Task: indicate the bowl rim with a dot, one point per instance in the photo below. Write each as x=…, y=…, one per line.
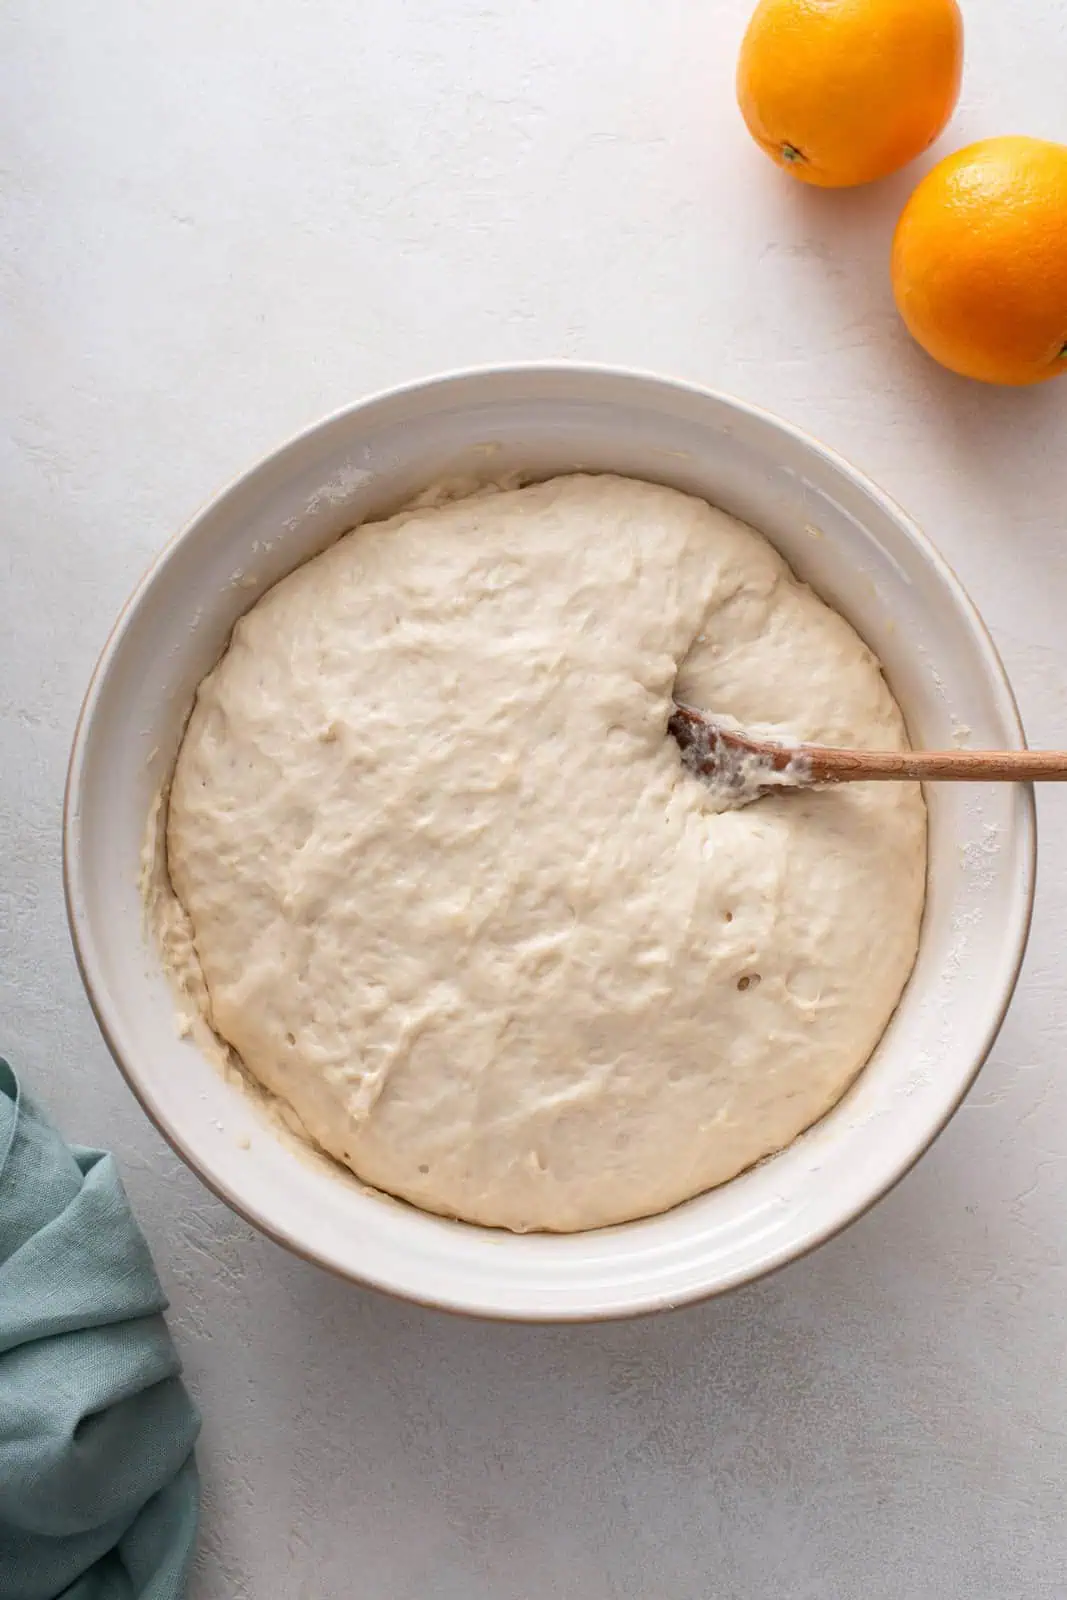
x=81, y=934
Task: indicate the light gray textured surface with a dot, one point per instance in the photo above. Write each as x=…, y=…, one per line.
x=224, y=220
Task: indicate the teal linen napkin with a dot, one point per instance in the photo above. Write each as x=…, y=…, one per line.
x=98, y=1485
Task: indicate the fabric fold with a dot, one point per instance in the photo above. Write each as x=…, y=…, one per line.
x=98, y=1483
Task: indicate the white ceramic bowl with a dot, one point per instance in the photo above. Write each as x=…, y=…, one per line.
x=841, y=534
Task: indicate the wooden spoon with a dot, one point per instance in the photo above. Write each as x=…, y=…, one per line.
x=746, y=767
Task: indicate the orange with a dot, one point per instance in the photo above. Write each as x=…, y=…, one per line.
x=842, y=91
x=980, y=261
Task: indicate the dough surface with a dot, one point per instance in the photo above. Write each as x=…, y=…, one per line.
x=457, y=902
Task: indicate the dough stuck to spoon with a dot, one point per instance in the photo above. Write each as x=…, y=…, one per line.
x=732, y=763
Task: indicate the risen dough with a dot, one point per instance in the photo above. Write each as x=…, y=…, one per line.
x=455, y=899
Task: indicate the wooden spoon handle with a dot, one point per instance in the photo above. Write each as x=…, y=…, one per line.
x=973, y=766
